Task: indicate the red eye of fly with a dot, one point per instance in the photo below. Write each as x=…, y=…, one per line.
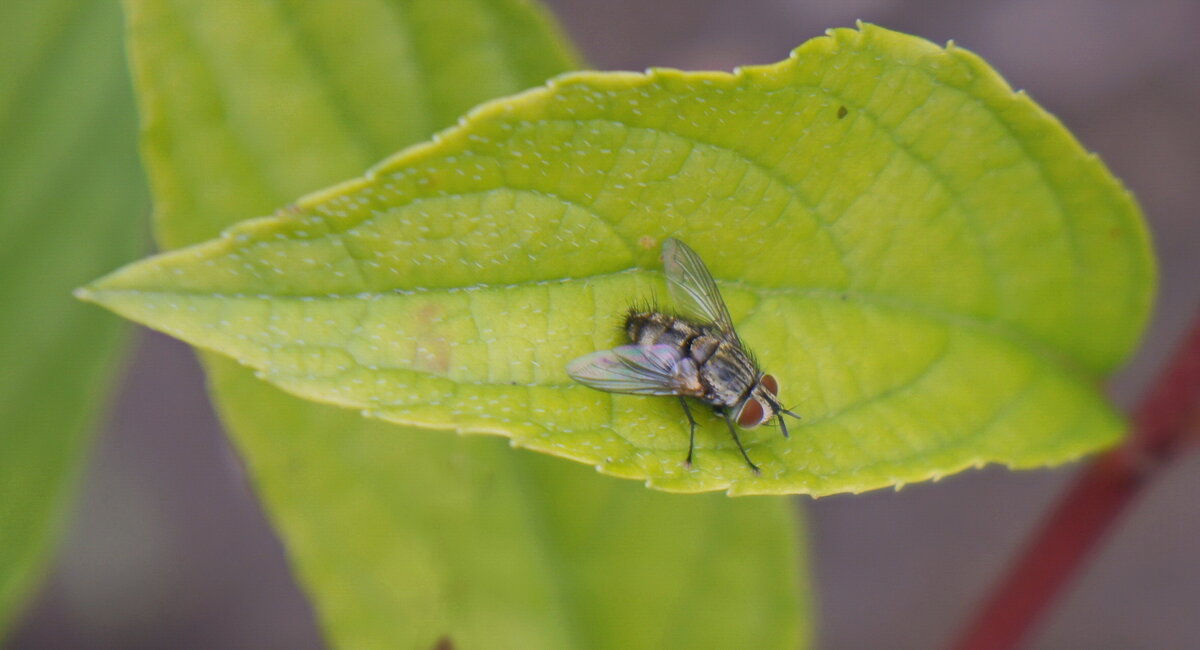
x=768, y=382
x=751, y=414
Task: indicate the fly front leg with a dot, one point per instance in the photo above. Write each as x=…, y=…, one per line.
x=691, y=436
x=733, y=432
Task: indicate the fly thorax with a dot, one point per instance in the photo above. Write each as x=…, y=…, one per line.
x=727, y=376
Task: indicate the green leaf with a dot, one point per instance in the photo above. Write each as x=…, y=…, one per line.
x=71, y=205
x=404, y=537
x=407, y=537
x=936, y=271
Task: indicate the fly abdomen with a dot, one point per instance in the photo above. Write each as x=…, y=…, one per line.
x=701, y=348
x=654, y=328
x=643, y=325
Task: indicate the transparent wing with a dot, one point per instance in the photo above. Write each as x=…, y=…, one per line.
x=692, y=287
x=654, y=370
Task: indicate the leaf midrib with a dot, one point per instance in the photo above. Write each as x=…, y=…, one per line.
x=1007, y=332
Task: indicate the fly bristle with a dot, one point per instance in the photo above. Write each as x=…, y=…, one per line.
x=634, y=311
x=627, y=321
x=644, y=306
x=753, y=359
x=637, y=311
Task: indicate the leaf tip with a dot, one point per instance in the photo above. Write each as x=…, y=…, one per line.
x=85, y=294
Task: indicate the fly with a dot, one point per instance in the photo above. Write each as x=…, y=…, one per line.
x=694, y=354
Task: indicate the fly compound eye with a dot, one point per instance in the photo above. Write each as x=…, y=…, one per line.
x=751, y=414
x=768, y=382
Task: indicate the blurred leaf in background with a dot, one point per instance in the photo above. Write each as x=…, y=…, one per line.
x=72, y=202
x=405, y=537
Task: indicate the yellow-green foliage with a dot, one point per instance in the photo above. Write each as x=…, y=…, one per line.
x=404, y=537
x=936, y=271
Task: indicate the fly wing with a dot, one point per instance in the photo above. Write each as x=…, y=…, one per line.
x=633, y=369
x=692, y=287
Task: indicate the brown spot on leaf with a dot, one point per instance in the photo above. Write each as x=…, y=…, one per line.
x=647, y=242
x=842, y=112
x=444, y=643
x=432, y=350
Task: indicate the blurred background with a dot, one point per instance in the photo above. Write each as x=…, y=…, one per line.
x=168, y=548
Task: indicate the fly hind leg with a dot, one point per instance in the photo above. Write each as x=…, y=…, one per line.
x=692, y=435
x=733, y=432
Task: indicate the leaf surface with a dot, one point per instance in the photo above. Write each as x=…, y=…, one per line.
x=71, y=204
x=937, y=273
x=404, y=537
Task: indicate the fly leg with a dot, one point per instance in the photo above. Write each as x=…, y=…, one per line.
x=691, y=436
x=733, y=432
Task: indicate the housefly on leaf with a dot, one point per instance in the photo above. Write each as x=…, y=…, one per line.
x=693, y=354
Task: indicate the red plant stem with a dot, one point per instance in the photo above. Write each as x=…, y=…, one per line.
x=1167, y=418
